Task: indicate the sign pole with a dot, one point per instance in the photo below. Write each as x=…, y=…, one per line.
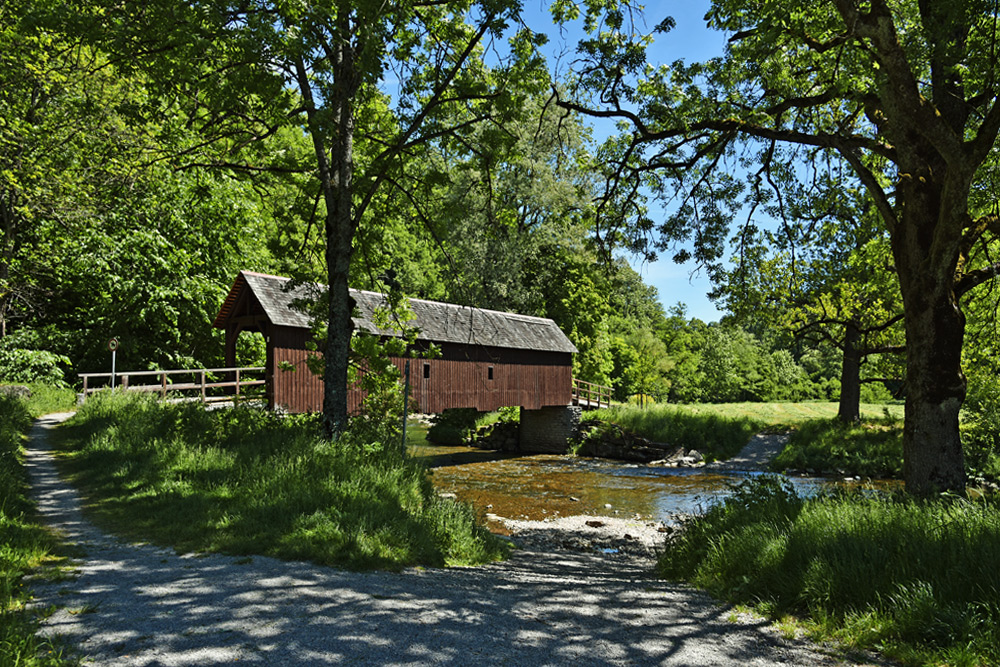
x=113, y=346
x=406, y=400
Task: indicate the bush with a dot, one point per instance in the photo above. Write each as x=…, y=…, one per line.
x=18, y=365
x=453, y=427
x=981, y=431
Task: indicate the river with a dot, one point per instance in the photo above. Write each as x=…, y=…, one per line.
x=540, y=486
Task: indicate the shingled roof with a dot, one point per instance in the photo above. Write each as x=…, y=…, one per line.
x=437, y=322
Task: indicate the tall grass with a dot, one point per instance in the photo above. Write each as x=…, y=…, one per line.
x=871, y=449
x=245, y=481
x=46, y=399
x=714, y=435
x=916, y=579
x=24, y=544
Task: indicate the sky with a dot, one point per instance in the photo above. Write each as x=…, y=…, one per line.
x=691, y=41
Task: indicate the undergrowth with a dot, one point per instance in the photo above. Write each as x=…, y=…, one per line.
x=24, y=545
x=246, y=481
x=914, y=579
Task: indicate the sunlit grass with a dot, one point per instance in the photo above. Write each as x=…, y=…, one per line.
x=873, y=448
x=720, y=430
x=915, y=579
x=24, y=545
x=245, y=481
x=46, y=399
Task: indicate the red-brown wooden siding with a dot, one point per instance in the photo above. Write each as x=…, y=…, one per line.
x=458, y=379
x=299, y=390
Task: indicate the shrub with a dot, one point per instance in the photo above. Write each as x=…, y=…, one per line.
x=452, y=427
x=18, y=365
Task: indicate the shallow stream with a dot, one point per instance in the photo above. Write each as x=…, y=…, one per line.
x=539, y=486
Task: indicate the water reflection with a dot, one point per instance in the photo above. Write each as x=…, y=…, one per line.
x=544, y=485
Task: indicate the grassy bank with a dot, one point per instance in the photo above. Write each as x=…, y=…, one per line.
x=713, y=434
x=24, y=544
x=873, y=448
x=244, y=481
x=46, y=399
x=719, y=431
x=915, y=580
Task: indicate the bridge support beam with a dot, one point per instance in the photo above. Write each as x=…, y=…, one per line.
x=548, y=430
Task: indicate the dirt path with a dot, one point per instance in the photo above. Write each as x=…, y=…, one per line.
x=132, y=605
x=756, y=456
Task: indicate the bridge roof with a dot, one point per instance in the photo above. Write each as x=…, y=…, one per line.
x=437, y=322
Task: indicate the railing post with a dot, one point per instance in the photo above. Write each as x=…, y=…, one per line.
x=163, y=386
x=203, y=385
x=124, y=381
x=85, y=378
x=236, y=398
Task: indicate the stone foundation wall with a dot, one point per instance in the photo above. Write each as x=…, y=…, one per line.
x=548, y=430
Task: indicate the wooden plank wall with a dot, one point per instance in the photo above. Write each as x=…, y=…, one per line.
x=460, y=378
x=299, y=390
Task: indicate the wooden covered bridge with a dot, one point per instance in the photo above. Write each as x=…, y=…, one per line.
x=488, y=359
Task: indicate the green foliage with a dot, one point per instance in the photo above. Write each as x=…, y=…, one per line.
x=915, y=579
x=24, y=545
x=453, y=427
x=870, y=449
x=46, y=399
x=244, y=481
x=981, y=426
x=19, y=366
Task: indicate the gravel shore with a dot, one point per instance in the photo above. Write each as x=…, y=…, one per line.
x=571, y=594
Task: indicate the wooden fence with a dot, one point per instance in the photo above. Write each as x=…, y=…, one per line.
x=591, y=396
x=203, y=380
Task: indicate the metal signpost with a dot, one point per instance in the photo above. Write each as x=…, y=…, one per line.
x=113, y=347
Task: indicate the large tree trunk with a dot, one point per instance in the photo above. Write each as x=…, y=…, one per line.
x=850, y=376
x=935, y=327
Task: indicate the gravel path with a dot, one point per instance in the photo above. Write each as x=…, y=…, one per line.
x=133, y=604
x=756, y=456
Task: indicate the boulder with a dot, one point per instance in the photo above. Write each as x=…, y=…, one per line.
x=15, y=390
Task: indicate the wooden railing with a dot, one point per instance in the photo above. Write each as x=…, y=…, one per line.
x=590, y=395
x=200, y=379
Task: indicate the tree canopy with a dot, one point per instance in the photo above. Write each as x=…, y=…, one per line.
x=907, y=93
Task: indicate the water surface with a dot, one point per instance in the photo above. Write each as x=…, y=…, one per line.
x=546, y=485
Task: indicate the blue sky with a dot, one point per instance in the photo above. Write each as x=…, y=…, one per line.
x=691, y=41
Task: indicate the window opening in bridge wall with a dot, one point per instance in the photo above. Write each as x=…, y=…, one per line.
x=427, y=370
x=489, y=373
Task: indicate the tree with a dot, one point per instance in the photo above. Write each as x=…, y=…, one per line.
x=906, y=92
x=242, y=71
x=821, y=273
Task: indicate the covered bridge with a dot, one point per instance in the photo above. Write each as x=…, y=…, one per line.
x=488, y=359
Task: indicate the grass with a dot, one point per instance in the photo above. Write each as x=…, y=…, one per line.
x=24, y=545
x=916, y=580
x=713, y=434
x=873, y=448
x=720, y=430
x=245, y=481
x=46, y=399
